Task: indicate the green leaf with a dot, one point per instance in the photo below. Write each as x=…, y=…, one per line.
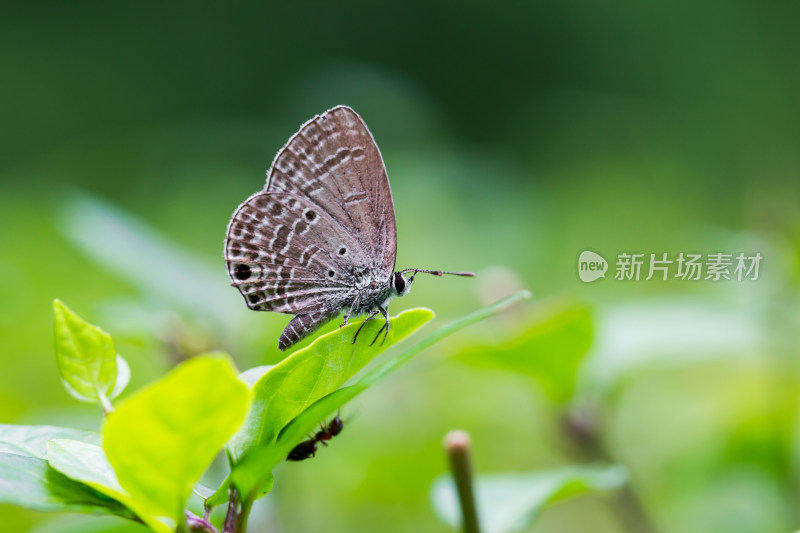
x=219, y=496
x=30, y=482
x=252, y=375
x=31, y=441
x=551, y=350
x=123, y=377
x=27, y=480
x=162, y=439
x=86, y=358
x=290, y=387
x=88, y=464
x=511, y=502
x=258, y=465
x=202, y=491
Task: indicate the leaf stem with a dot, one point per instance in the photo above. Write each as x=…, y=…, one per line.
x=457, y=445
x=238, y=512
x=105, y=404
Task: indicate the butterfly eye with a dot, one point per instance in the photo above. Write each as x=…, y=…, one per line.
x=399, y=283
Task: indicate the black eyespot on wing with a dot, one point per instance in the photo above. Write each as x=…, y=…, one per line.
x=310, y=215
x=342, y=251
x=242, y=272
x=331, y=273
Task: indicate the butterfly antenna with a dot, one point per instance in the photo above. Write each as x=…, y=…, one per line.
x=437, y=272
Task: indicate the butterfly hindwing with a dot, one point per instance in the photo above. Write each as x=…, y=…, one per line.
x=281, y=260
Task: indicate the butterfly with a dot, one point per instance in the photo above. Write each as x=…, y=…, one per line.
x=321, y=237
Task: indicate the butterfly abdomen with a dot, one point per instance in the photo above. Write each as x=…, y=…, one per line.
x=302, y=326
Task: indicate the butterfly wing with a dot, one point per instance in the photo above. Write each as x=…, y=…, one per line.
x=334, y=162
x=324, y=221
x=279, y=252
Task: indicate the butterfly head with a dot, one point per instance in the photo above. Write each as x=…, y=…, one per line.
x=400, y=284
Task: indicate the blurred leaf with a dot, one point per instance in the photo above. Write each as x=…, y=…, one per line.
x=551, y=350
x=86, y=358
x=159, y=267
x=162, y=439
x=87, y=524
x=32, y=440
x=251, y=375
x=288, y=388
x=30, y=482
x=202, y=491
x=511, y=502
x=256, y=468
x=669, y=333
x=219, y=496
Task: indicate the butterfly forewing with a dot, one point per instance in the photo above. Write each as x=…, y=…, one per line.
x=324, y=220
x=334, y=162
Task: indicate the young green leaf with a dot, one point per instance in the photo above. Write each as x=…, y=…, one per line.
x=32, y=440
x=161, y=439
x=288, y=388
x=30, y=482
x=551, y=350
x=256, y=468
x=123, y=377
x=86, y=358
x=511, y=502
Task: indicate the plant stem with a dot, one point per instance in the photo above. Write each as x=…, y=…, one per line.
x=457, y=446
x=238, y=511
x=197, y=524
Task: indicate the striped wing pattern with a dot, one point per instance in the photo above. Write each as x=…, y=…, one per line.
x=324, y=220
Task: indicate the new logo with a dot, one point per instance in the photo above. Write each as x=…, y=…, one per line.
x=591, y=266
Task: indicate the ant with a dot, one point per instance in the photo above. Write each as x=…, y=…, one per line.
x=308, y=448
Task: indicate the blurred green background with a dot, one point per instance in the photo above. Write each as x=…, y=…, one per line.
x=515, y=136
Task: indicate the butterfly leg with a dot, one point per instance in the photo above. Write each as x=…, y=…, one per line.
x=350, y=312
x=370, y=317
x=385, y=313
